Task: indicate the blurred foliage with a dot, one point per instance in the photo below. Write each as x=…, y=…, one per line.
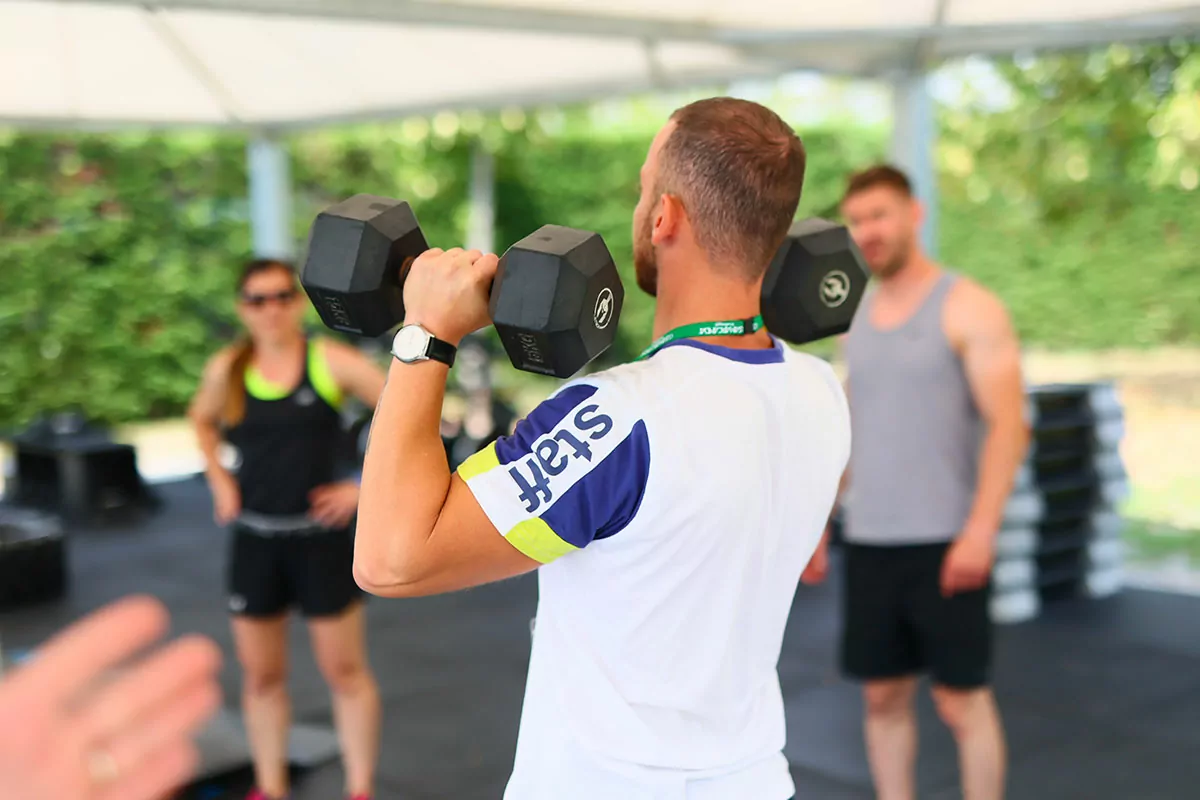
x=116, y=261
x=1076, y=202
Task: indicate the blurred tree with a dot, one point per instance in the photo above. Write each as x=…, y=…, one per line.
x=117, y=266
x=1076, y=201
x=1085, y=126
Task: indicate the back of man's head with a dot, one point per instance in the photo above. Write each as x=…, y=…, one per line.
x=738, y=170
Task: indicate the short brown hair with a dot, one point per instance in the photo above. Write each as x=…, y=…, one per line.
x=243, y=353
x=738, y=169
x=878, y=175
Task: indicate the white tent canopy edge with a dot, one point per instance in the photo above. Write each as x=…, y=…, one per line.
x=266, y=65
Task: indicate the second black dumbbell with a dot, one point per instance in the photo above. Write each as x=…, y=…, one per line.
x=555, y=300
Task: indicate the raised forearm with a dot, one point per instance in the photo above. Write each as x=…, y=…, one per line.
x=405, y=476
x=1003, y=450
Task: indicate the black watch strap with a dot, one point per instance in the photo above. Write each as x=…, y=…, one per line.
x=441, y=350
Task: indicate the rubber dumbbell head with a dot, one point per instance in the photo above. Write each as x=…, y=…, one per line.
x=814, y=284
x=357, y=250
x=556, y=300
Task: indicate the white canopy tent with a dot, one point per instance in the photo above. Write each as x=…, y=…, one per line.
x=272, y=65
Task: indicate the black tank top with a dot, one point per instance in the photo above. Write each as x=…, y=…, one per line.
x=288, y=442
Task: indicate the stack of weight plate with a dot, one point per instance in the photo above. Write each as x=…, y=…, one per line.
x=33, y=557
x=1062, y=527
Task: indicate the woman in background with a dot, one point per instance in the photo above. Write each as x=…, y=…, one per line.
x=275, y=397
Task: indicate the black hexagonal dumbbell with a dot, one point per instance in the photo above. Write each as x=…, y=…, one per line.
x=555, y=299
x=814, y=284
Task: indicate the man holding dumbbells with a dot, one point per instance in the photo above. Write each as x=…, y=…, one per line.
x=670, y=504
x=937, y=401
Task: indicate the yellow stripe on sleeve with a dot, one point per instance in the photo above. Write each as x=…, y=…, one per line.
x=538, y=540
x=483, y=461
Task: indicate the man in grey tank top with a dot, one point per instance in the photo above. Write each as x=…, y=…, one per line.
x=937, y=409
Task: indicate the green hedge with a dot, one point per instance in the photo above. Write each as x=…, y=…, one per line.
x=116, y=258
x=1096, y=280
x=118, y=253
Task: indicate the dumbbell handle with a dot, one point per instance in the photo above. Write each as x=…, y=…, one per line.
x=407, y=266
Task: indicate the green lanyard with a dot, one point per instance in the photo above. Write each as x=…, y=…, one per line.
x=725, y=327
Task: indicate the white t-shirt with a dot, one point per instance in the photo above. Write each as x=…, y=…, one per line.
x=674, y=503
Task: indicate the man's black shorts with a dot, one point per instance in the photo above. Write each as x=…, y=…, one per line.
x=270, y=574
x=897, y=623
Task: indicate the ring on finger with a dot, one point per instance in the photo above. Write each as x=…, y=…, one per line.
x=102, y=767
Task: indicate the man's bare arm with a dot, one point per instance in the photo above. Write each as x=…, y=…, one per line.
x=818, y=564
x=980, y=329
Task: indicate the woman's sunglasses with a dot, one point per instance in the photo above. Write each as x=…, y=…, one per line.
x=260, y=300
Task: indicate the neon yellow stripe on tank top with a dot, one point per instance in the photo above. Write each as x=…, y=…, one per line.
x=318, y=373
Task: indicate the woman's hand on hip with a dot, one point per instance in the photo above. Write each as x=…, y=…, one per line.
x=227, y=497
x=334, y=504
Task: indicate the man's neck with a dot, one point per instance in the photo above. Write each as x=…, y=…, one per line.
x=916, y=273
x=708, y=296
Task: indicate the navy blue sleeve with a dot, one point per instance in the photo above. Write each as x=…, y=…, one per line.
x=572, y=472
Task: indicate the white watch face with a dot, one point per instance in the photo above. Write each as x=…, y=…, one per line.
x=410, y=343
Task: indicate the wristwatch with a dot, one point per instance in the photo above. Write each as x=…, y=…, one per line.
x=413, y=343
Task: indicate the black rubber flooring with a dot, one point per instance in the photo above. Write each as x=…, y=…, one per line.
x=1101, y=699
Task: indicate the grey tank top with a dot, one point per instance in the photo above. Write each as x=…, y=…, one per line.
x=916, y=430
